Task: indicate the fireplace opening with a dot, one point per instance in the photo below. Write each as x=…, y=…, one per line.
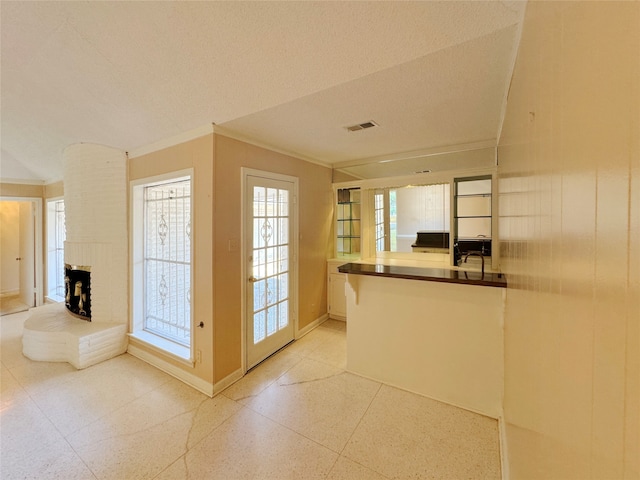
x=77, y=290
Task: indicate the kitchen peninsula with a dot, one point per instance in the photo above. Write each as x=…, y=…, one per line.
x=433, y=331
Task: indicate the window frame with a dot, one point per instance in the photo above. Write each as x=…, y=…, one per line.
x=53, y=248
x=159, y=343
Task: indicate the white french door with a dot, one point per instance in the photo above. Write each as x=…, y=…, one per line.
x=270, y=273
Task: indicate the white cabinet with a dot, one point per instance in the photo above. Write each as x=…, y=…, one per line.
x=337, y=300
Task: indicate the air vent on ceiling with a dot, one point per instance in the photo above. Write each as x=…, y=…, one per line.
x=361, y=126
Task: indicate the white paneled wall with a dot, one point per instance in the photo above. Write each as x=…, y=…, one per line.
x=569, y=182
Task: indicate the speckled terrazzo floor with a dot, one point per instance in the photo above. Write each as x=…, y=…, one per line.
x=12, y=304
x=298, y=415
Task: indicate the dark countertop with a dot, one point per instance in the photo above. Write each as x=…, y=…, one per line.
x=488, y=279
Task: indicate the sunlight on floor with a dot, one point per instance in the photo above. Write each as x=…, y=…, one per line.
x=297, y=415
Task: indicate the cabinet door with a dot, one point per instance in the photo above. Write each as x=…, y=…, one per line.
x=337, y=297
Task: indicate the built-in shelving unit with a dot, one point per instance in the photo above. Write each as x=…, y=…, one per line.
x=472, y=215
x=348, y=222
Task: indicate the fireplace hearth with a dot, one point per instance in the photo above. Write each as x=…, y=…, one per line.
x=91, y=325
x=77, y=286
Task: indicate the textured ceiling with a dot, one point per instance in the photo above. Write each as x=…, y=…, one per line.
x=288, y=74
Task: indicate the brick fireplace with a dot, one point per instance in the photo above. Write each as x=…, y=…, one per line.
x=95, y=195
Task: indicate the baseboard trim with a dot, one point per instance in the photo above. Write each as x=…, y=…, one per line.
x=494, y=416
x=502, y=433
x=227, y=381
x=317, y=322
x=196, y=382
x=233, y=377
x=186, y=377
x=9, y=293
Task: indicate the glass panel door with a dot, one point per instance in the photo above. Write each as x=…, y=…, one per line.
x=268, y=247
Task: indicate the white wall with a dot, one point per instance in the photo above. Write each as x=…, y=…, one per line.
x=441, y=340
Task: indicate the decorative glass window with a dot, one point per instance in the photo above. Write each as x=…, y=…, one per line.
x=162, y=268
x=167, y=260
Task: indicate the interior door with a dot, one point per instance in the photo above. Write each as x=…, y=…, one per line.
x=27, y=254
x=270, y=266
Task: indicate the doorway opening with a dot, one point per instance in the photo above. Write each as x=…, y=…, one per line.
x=21, y=251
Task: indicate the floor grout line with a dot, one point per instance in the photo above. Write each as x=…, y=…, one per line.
x=354, y=427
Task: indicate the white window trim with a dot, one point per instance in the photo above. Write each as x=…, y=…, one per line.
x=246, y=172
x=50, y=251
x=180, y=353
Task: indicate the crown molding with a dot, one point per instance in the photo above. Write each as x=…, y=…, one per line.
x=425, y=152
x=225, y=132
x=23, y=181
x=53, y=180
x=171, y=141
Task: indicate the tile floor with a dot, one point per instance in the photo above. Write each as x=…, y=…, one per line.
x=299, y=415
x=12, y=304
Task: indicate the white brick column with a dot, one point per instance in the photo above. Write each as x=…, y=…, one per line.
x=95, y=199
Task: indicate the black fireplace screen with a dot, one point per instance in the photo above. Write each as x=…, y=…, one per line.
x=77, y=290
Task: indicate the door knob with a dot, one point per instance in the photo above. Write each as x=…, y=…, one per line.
x=252, y=279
